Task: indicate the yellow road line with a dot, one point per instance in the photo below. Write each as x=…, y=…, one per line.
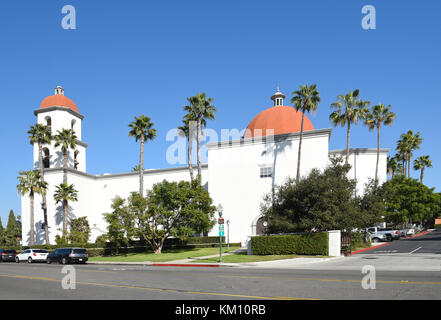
x=153, y=289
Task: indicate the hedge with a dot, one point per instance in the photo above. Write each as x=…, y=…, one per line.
x=302, y=244
x=438, y=226
x=358, y=240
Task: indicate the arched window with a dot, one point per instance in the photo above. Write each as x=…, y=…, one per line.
x=49, y=122
x=76, y=159
x=46, y=158
x=72, y=124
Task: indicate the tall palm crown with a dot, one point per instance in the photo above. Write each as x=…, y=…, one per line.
x=31, y=183
x=407, y=143
x=65, y=193
x=142, y=129
x=65, y=138
x=421, y=163
x=42, y=135
x=349, y=108
x=380, y=115
x=201, y=108
x=306, y=99
x=392, y=166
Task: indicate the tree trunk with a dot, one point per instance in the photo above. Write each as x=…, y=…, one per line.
x=65, y=166
x=347, y=141
x=300, y=150
x=65, y=207
x=422, y=174
x=408, y=166
x=141, y=167
x=190, y=156
x=199, y=148
x=31, y=197
x=378, y=155
x=40, y=160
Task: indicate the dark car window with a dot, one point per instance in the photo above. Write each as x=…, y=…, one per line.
x=80, y=251
x=57, y=251
x=10, y=251
x=40, y=251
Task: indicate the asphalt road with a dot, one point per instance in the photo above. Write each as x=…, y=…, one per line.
x=405, y=269
x=429, y=243
x=41, y=281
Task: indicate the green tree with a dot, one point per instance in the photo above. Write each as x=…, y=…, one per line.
x=421, y=163
x=349, y=108
x=2, y=234
x=177, y=209
x=12, y=230
x=31, y=183
x=200, y=108
x=79, y=230
x=142, y=129
x=65, y=193
x=41, y=135
x=321, y=201
x=306, y=99
x=118, y=223
x=374, y=120
x=392, y=166
x=411, y=201
x=65, y=138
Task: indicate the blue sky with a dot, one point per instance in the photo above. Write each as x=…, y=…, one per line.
x=128, y=58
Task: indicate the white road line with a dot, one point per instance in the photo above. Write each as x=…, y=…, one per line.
x=415, y=250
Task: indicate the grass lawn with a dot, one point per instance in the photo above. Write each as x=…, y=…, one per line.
x=166, y=255
x=243, y=257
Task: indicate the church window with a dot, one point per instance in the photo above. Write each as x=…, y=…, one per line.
x=76, y=159
x=49, y=122
x=46, y=158
x=266, y=172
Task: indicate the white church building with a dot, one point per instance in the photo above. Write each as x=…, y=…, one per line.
x=238, y=173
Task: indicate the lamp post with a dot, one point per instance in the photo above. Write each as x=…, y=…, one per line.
x=221, y=228
x=228, y=234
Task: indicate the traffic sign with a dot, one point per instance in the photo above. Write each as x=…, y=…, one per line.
x=221, y=221
x=221, y=227
x=221, y=233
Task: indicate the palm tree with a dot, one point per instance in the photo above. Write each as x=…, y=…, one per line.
x=65, y=138
x=379, y=115
x=349, y=108
x=202, y=109
x=65, y=193
x=420, y=163
x=392, y=166
x=31, y=183
x=187, y=131
x=41, y=135
x=306, y=100
x=406, y=145
x=142, y=130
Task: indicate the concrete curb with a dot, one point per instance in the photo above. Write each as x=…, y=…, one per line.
x=161, y=264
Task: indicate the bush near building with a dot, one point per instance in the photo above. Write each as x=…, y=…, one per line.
x=300, y=244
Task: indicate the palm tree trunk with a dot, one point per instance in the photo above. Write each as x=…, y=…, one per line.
x=422, y=174
x=199, y=148
x=141, y=167
x=378, y=154
x=40, y=160
x=300, y=149
x=65, y=166
x=31, y=197
x=347, y=141
x=65, y=207
x=408, y=166
x=190, y=156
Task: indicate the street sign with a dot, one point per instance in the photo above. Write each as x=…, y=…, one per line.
x=221, y=233
x=221, y=221
x=221, y=227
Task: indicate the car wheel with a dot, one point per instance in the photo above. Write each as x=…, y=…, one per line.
x=17, y=260
x=48, y=261
x=63, y=261
x=375, y=240
x=29, y=260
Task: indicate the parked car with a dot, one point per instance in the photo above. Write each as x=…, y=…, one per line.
x=410, y=232
x=68, y=255
x=377, y=237
x=395, y=233
x=32, y=255
x=7, y=255
x=390, y=234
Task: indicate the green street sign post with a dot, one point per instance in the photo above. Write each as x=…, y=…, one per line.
x=220, y=221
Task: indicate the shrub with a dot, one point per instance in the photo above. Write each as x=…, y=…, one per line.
x=304, y=244
x=438, y=226
x=358, y=240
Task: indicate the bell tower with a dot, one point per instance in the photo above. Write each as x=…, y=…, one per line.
x=58, y=112
x=278, y=98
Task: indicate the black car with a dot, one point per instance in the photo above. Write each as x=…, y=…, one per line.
x=68, y=255
x=7, y=255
